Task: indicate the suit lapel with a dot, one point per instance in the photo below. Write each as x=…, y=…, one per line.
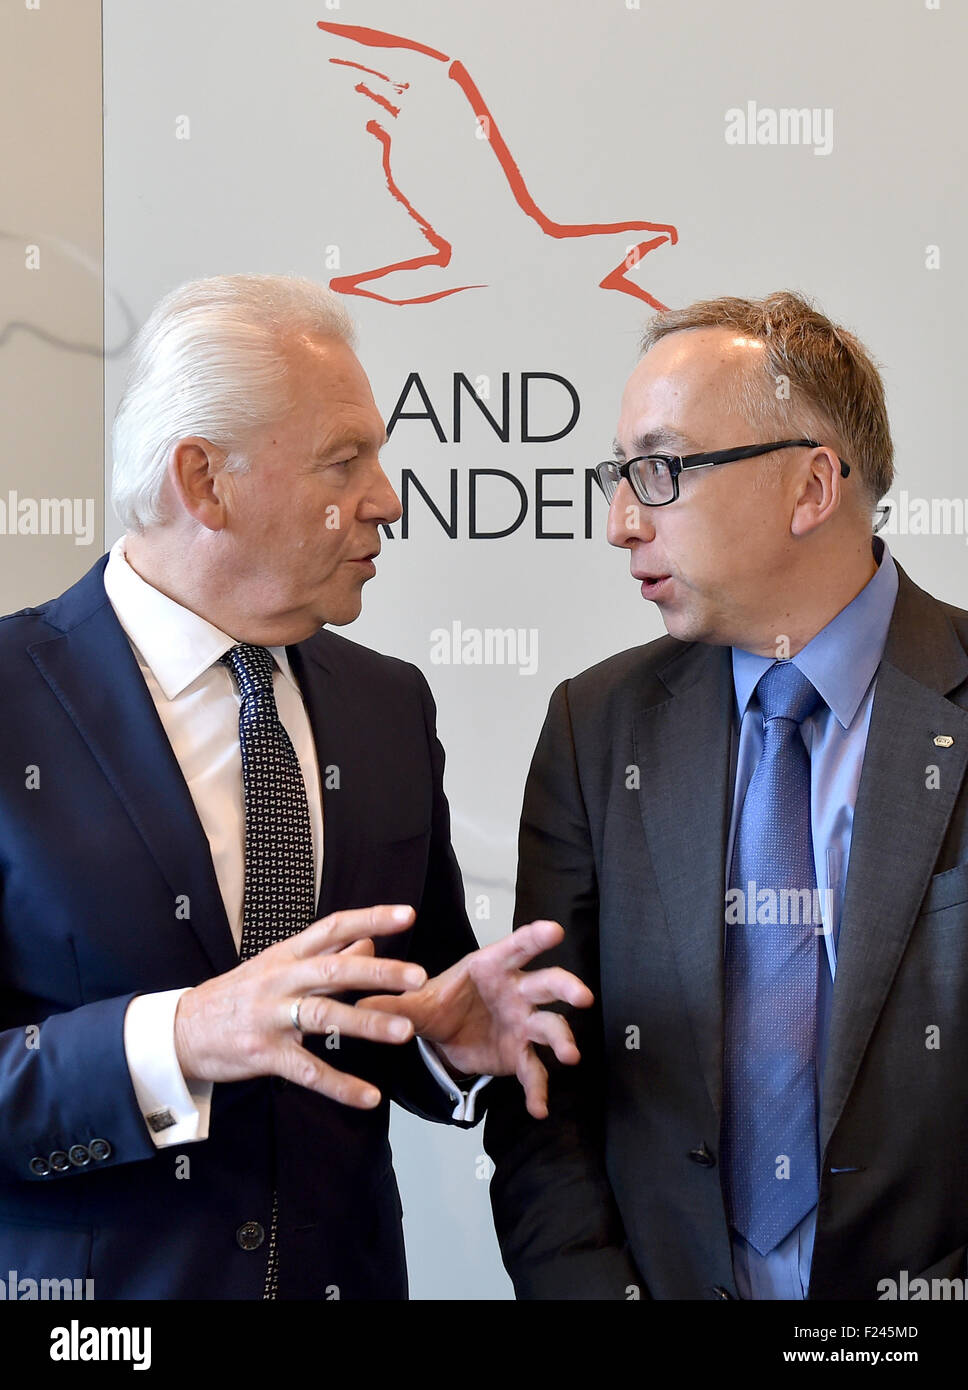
x=682, y=748
x=92, y=671
x=899, y=824
x=340, y=747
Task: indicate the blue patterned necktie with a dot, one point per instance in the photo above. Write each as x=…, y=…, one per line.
x=769, y=1136
x=280, y=878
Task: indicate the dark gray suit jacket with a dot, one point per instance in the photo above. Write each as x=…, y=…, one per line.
x=618, y=1193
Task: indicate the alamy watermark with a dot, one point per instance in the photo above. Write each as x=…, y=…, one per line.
x=47, y=516
x=15, y=1288
x=784, y=125
x=487, y=646
x=904, y=1288
x=908, y=515
x=77, y=1343
x=779, y=907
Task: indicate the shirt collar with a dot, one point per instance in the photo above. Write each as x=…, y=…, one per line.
x=841, y=660
x=176, y=644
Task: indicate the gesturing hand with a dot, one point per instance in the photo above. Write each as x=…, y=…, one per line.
x=483, y=1012
x=239, y=1024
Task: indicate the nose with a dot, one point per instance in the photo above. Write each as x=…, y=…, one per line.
x=628, y=519
x=381, y=503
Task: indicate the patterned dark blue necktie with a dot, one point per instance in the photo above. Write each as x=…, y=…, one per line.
x=279, y=872
x=769, y=1136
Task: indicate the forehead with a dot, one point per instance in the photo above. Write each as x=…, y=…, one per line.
x=327, y=367
x=682, y=384
x=331, y=394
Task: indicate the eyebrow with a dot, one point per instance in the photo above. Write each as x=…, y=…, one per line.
x=346, y=441
x=651, y=440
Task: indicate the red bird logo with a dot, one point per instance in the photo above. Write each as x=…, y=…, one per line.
x=417, y=279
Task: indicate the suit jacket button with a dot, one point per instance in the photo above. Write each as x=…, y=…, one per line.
x=59, y=1161
x=79, y=1155
x=702, y=1156
x=720, y=1292
x=250, y=1235
x=99, y=1149
x=40, y=1167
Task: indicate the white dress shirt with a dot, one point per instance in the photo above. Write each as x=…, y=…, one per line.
x=198, y=705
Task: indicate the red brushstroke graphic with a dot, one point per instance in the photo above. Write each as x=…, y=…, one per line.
x=374, y=72
x=614, y=279
x=376, y=38
x=350, y=284
x=375, y=96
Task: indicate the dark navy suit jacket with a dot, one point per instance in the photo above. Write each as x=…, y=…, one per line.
x=101, y=855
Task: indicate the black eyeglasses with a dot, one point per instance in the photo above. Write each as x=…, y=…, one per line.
x=654, y=478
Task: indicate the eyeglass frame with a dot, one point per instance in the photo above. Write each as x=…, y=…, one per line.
x=678, y=463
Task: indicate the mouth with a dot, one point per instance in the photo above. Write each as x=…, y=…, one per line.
x=653, y=585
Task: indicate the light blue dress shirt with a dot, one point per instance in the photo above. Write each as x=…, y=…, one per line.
x=842, y=662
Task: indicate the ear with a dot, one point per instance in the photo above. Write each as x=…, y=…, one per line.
x=819, y=493
x=195, y=472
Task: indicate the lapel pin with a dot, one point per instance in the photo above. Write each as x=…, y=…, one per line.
x=943, y=740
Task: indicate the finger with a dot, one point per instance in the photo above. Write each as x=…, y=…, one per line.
x=339, y=972
x=523, y=945
x=413, y=1005
x=534, y=1079
x=296, y=1064
x=317, y=1014
x=400, y=1004
x=554, y=985
x=554, y=1032
x=363, y=947
x=341, y=928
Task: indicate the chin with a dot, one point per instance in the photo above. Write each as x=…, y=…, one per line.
x=687, y=627
x=339, y=614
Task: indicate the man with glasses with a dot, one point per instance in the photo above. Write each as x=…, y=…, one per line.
x=755, y=834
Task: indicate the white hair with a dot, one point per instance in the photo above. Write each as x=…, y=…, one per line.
x=210, y=361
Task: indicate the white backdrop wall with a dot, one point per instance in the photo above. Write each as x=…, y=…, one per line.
x=237, y=139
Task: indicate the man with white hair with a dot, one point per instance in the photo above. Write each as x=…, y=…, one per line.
x=220, y=826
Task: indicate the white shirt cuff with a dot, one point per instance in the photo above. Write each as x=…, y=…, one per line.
x=464, y=1101
x=175, y=1112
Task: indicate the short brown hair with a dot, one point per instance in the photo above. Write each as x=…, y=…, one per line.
x=834, y=383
